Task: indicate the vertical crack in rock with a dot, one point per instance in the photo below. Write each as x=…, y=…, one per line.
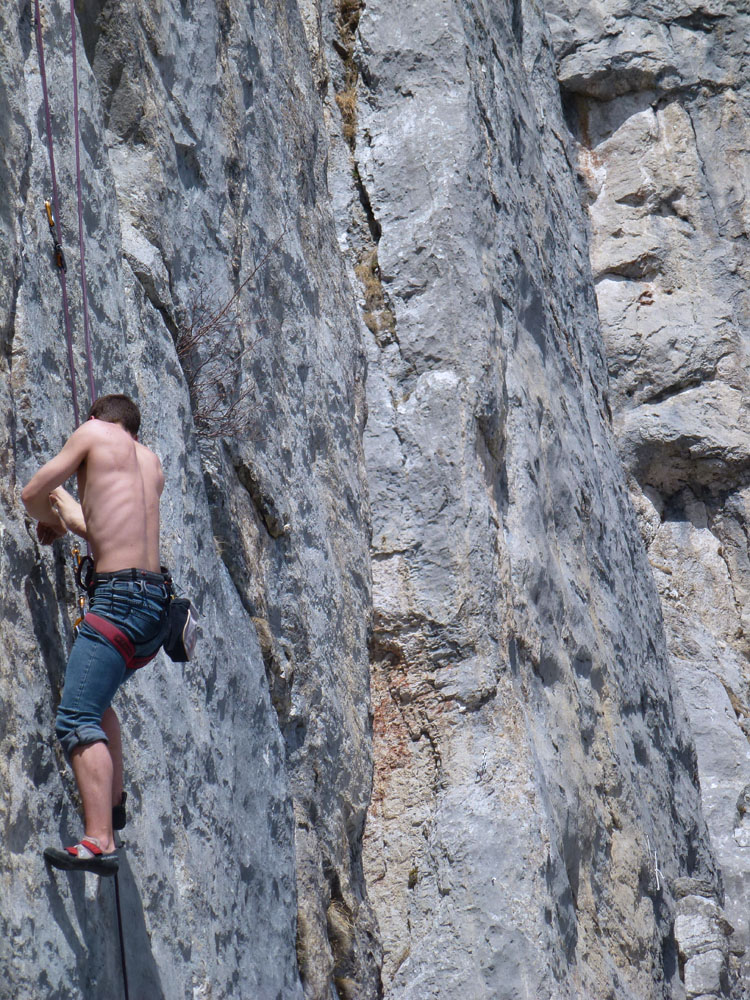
x=348, y=13
x=377, y=312
x=492, y=296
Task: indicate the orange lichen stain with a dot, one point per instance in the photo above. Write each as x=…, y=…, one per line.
x=391, y=738
x=405, y=707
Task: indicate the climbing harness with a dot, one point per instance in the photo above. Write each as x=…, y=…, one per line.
x=180, y=631
x=122, y=642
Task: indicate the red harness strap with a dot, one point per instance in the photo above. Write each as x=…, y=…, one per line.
x=122, y=643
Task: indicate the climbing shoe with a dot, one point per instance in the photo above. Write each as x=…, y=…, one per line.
x=85, y=856
x=119, y=816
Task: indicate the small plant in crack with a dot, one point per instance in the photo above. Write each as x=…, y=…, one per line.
x=377, y=312
x=347, y=22
x=377, y=315
x=347, y=104
x=212, y=345
x=211, y=349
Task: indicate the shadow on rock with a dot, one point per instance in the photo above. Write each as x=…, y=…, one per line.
x=95, y=943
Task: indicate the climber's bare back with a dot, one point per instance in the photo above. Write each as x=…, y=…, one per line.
x=119, y=482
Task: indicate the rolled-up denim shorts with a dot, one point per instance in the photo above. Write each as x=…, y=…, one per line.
x=96, y=669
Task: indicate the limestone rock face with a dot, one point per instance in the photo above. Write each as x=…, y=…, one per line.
x=337, y=251
x=658, y=99
x=249, y=769
x=535, y=793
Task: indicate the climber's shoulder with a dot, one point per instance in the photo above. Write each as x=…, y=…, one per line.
x=150, y=467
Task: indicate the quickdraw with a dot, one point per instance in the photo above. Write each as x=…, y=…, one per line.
x=59, y=255
x=83, y=569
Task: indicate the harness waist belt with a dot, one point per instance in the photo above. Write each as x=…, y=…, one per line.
x=122, y=643
x=131, y=574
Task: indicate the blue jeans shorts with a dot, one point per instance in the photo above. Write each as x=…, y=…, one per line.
x=96, y=669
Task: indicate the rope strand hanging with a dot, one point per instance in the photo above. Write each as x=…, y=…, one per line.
x=79, y=199
x=54, y=217
x=54, y=222
x=55, y=226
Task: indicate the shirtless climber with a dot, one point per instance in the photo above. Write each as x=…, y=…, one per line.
x=120, y=483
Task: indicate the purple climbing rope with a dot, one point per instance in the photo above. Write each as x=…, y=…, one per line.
x=56, y=229
x=79, y=196
x=56, y=206
x=55, y=224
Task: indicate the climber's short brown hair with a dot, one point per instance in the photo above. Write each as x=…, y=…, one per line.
x=117, y=409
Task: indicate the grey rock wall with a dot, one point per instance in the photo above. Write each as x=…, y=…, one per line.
x=406, y=479
x=657, y=97
x=249, y=770
x=536, y=801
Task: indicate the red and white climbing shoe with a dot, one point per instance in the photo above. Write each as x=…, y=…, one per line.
x=86, y=856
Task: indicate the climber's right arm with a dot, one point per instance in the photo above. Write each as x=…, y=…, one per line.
x=54, y=473
x=69, y=511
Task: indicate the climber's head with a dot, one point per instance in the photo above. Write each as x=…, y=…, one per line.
x=117, y=409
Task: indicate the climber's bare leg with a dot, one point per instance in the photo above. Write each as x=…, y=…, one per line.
x=111, y=726
x=93, y=770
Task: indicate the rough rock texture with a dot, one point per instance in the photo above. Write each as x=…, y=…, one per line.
x=535, y=793
x=202, y=160
x=703, y=935
x=657, y=95
x=415, y=363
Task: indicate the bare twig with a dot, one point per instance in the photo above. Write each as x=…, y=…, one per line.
x=211, y=349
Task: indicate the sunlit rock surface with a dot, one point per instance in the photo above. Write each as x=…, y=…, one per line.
x=657, y=96
x=432, y=745
x=248, y=770
x=535, y=797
